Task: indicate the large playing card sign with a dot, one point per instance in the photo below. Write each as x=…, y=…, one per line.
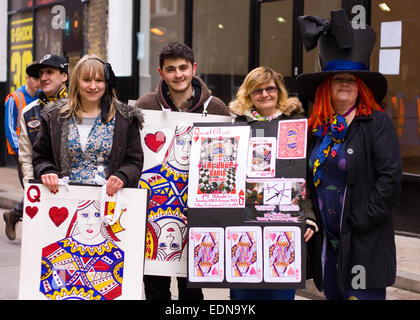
x=80, y=244
x=218, y=167
x=166, y=141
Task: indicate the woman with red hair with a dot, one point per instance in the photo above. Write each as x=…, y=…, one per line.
x=354, y=164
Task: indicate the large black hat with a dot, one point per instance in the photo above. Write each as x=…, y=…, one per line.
x=342, y=48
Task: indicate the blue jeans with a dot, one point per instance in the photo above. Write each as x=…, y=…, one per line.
x=262, y=294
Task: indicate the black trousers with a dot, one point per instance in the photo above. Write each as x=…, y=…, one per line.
x=18, y=209
x=158, y=288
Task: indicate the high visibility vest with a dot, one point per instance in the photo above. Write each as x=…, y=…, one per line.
x=20, y=102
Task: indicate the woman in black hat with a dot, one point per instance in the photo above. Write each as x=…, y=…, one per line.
x=90, y=137
x=354, y=164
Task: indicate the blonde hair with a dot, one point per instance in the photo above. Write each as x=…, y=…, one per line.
x=88, y=67
x=253, y=80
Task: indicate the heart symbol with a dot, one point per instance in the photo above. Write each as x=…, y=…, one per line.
x=155, y=141
x=197, y=236
x=291, y=272
x=31, y=211
x=214, y=272
x=253, y=272
x=196, y=138
x=235, y=236
x=58, y=215
x=273, y=236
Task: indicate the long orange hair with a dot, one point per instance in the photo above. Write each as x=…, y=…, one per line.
x=323, y=111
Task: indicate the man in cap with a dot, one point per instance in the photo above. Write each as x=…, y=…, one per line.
x=14, y=104
x=52, y=71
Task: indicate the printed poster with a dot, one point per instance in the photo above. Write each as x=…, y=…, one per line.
x=218, y=167
x=80, y=244
x=262, y=157
x=166, y=141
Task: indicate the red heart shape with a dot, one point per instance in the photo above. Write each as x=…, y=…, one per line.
x=155, y=141
x=31, y=211
x=58, y=215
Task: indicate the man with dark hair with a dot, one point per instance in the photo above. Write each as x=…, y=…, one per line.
x=179, y=90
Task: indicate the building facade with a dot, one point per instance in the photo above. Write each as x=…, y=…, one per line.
x=229, y=38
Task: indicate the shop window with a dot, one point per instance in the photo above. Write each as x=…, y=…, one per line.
x=397, y=25
x=220, y=44
x=161, y=22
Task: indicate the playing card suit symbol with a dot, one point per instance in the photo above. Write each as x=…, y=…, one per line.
x=291, y=272
x=196, y=138
x=155, y=141
x=214, y=272
x=252, y=272
x=273, y=236
x=31, y=211
x=58, y=215
x=235, y=236
x=197, y=236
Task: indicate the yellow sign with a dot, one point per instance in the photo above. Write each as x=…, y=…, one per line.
x=21, y=45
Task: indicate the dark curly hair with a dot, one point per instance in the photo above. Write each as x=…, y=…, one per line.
x=174, y=50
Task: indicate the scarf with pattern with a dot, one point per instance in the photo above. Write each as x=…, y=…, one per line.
x=256, y=116
x=332, y=137
x=44, y=100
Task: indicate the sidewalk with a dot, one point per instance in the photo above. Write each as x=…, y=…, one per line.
x=407, y=285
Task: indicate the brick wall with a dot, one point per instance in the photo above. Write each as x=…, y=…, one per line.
x=96, y=28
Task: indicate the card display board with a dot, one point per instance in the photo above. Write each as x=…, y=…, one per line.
x=259, y=244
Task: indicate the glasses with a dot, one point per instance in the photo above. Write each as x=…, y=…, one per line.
x=269, y=90
x=344, y=80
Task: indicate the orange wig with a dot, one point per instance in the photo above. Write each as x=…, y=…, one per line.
x=323, y=111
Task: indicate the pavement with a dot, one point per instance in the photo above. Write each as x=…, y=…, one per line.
x=406, y=286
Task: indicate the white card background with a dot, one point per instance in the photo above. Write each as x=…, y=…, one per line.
x=40, y=231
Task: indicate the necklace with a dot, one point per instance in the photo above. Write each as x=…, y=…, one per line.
x=349, y=111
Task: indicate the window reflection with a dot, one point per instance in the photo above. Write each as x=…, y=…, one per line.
x=403, y=100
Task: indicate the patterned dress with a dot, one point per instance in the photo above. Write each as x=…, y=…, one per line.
x=331, y=191
x=94, y=160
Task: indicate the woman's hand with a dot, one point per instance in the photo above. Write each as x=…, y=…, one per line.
x=113, y=185
x=50, y=180
x=308, y=234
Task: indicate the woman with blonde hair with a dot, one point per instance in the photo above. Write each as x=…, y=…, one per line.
x=91, y=134
x=263, y=97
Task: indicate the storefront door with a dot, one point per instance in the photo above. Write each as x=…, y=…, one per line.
x=277, y=44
